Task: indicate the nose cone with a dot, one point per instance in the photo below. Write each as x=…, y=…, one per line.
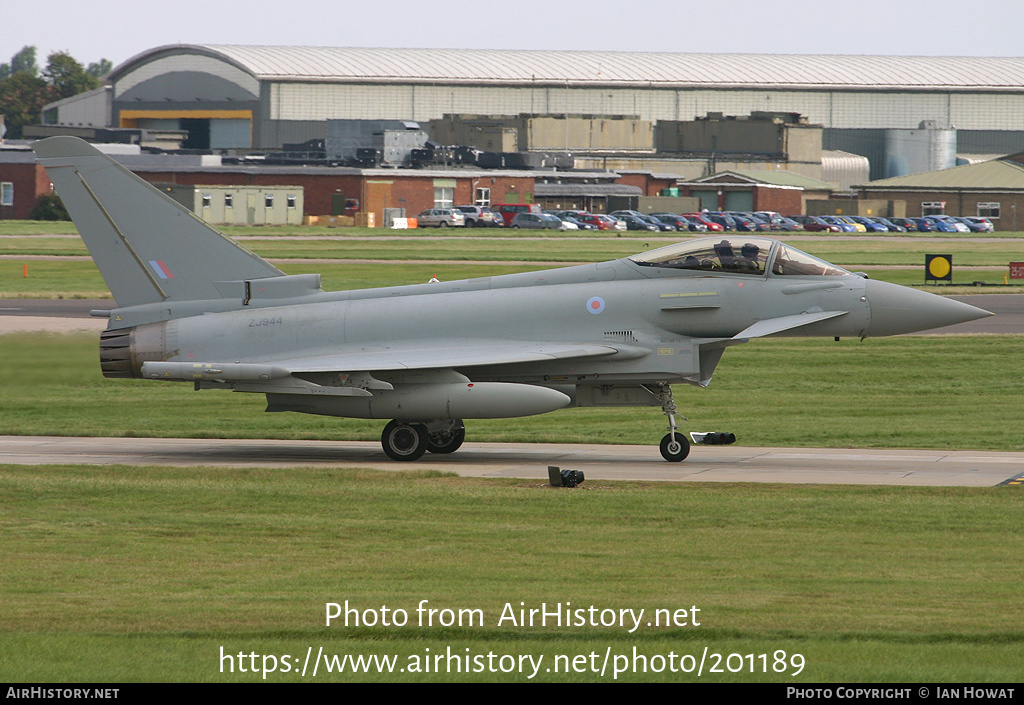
x=898, y=309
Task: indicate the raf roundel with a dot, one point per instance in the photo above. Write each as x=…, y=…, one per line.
x=595, y=304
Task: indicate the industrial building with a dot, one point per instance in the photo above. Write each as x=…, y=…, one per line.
x=262, y=97
x=629, y=123
x=993, y=189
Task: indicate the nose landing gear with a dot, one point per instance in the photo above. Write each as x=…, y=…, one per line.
x=674, y=446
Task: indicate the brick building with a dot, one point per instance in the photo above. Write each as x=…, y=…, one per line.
x=992, y=189
x=780, y=191
x=22, y=181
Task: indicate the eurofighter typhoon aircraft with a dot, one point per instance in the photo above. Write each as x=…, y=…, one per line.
x=194, y=306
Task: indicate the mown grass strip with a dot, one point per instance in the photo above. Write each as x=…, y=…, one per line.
x=867, y=583
x=909, y=392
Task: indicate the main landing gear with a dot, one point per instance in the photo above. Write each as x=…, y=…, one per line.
x=674, y=446
x=409, y=440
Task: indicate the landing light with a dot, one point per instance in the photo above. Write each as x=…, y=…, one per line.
x=564, y=478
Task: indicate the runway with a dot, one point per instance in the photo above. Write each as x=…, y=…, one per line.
x=937, y=468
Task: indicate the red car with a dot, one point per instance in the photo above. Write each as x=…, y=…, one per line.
x=699, y=218
x=603, y=222
x=814, y=224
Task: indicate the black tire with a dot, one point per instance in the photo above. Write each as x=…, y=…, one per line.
x=446, y=443
x=674, y=452
x=442, y=224
x=470, y=223
x=404, y=441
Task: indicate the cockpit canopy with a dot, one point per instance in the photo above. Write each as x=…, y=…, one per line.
x=737, y=255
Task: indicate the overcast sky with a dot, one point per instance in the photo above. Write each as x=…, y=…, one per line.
x=119, y=29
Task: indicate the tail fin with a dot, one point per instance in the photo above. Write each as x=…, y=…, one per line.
x=147, y=247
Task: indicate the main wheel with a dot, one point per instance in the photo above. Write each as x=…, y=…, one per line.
x=674, y=450
x=404, y=441
x=447, y=442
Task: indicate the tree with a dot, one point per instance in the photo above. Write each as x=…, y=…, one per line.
x=23, y=93
x=24, y=60
x=67, y=77
x=48, y=207
x=22, y=97
x=100, y=68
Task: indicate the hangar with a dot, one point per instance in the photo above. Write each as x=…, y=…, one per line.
x=263, y=97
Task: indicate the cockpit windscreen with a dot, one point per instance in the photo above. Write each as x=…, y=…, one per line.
x=737, y=255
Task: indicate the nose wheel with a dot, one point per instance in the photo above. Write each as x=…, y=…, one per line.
x=674, y=446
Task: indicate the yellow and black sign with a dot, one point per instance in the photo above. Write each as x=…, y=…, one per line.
x=938, y=268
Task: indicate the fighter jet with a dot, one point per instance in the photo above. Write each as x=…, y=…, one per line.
x=195, y=306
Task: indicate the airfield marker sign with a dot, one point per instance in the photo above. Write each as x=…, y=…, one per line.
x=938, y=268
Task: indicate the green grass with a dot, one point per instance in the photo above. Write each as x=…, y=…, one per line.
x=509, y=247
x=953, y=392
x=143, y=573
x=79, y=278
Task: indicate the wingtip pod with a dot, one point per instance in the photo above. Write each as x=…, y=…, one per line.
x=898, y=309
x=148, y=247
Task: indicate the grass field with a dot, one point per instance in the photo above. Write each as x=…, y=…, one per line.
x=954, y=392
x=510, y=247
x=413, y=261
x=144, y=573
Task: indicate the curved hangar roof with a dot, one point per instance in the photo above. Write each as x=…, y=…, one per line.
x=482, y=66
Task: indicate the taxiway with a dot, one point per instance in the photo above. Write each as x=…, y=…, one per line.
x=530, y=461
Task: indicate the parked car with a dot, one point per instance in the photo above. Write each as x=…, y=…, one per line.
x=441, y=218
x=603, y=222
x=923, y=225
x=950, y=221
x=508, y=210
x=478, y=216
x=941, y=225
x=643, y=218
x=841, y=224
x=566, y=217
x=747, y=223
x=636, y=223
x=768, y=216
x=988, y=225
x=907, y=223
x=680, y=222
x=536, y=221
x=814, y=224
x=870, y=225
x=701, y=219
x=857, y=227
x=786, y=224
x=725, y=221
x=973, y=225
x=776, y=221
x=893, y=227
